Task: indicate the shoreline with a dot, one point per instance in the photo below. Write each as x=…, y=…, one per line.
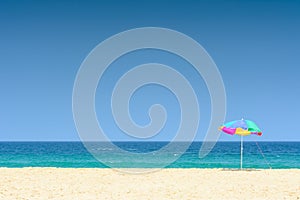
x=155, y=169
x=167, y=183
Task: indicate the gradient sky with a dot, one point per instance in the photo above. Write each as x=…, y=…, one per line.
x=255, y=44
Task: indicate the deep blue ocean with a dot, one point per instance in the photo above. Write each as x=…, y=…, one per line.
x=224, y=155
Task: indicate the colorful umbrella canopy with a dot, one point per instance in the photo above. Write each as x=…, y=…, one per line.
x=241, y=127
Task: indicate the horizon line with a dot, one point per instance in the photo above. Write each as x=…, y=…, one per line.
x=145, y=141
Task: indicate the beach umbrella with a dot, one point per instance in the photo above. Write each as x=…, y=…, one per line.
x=243, y=128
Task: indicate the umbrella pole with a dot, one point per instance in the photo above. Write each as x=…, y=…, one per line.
x=241, y=152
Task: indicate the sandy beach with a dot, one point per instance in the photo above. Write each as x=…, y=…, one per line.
x=71, y=183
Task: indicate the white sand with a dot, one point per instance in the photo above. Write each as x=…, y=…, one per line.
x=59, y=183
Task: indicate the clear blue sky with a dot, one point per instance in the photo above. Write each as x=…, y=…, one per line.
x=255, y=44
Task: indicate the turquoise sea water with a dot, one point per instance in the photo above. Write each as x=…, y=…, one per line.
x=224, y=155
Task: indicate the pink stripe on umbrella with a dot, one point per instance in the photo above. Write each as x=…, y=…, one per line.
x=230, y=131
